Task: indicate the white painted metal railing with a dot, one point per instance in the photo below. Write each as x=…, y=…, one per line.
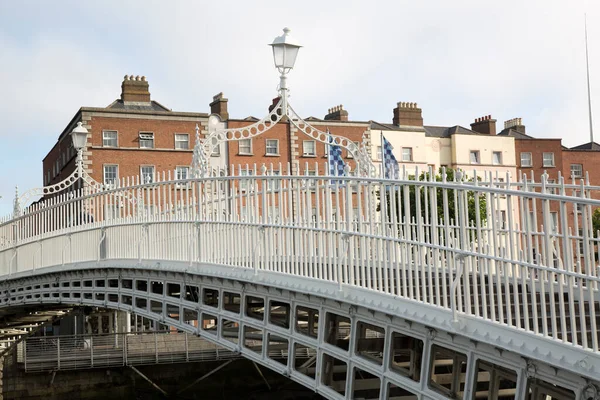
x=521, y=254
x=114, y=350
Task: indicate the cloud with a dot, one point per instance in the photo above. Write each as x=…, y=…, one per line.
x=459, y=60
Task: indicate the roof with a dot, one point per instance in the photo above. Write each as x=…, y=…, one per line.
x=516, y=134
x=392, y=127
x=590, y=146
x=137, y=106
x=430, y=131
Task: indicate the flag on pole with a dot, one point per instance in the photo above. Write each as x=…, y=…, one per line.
x=334, y=158
x=391, y=170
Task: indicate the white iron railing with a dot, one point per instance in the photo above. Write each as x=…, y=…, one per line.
x=522, y=254
x=118, y=349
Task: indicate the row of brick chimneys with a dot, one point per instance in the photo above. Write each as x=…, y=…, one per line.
x=136, y=89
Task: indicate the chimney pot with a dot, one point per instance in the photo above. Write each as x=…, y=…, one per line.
x=408, y=114
x=219, y=106
x=485, y=125
x=135, y=89
x=336, y=113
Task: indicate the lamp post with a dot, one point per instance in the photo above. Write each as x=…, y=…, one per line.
x=285, y=52
x=79, y=138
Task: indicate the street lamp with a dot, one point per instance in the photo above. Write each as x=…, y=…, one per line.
x=285, y=51
x=79, y=137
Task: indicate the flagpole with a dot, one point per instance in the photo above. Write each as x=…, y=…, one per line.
x=382, y=155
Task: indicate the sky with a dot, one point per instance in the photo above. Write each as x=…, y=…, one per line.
x=458, y=60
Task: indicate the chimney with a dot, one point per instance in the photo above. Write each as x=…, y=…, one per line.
x=408, y=114
x=337, y=113
x=485, y=125
x=515, y=124
x=219, y=106
x=274, y=103
x=135, y=89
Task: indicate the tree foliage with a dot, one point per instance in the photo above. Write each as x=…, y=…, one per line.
x=453, y=199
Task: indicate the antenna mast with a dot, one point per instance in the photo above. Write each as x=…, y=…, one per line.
x=587, y=63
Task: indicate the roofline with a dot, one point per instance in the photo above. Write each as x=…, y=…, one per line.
x=77, y=117
x=144, y=112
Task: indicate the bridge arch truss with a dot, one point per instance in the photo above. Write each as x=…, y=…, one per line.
x=336, y=347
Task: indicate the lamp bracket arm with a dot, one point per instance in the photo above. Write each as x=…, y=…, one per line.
x=358, y=152
x=205, y=147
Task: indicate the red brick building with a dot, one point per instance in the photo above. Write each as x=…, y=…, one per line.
x=133, y=136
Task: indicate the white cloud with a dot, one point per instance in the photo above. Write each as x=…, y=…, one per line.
x=459, y=60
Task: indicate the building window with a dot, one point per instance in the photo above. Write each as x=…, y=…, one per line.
x=526, y=160
x=548, y=159
x=379, y=153
x=501, y=219
x=274, y=184
x=109, y=139
x=216, y=151
x=245, y=147
x=111, y=175
x=147, y=173
x=475, y=157
x=497, y=158
x=407, y=154
x=146, y=140
x=182, y=141
x=554, y=222
x=309, y=148
x=552, y=189
x=576, y=170
x=272, y=147
x=244, y=181
x=182, y=173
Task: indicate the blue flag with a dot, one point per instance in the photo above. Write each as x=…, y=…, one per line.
x=334, y=158
x=390, y=165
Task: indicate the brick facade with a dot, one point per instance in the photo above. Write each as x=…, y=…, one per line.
x=124, y=121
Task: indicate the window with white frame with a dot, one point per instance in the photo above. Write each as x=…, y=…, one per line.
x=272, y=148
x=182, y=141
x=311, y=181
x=216, y=151
x=182, y=173
x=578, y=208
x=526, y=159
x=501, y=219
x=554, y=222
x=474, y=157
x=274, y=184
x=243, y=181
x=552, y=189
x=309, y=148
x=407, y=154
x=109, y=139
x=245, y=147
x=577, y=170
x=497, y=158
x=379, y=153
x=111, y=175
x=548, y=159
x=146, y=140
x=147, y=173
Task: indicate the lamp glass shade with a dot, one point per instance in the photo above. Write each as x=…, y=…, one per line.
x=79, y=136
x=285, y=51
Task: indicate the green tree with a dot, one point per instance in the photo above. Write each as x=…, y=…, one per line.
x=596, y=221
x=452, y=195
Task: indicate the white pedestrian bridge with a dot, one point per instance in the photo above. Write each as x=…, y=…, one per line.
x=356, y=287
